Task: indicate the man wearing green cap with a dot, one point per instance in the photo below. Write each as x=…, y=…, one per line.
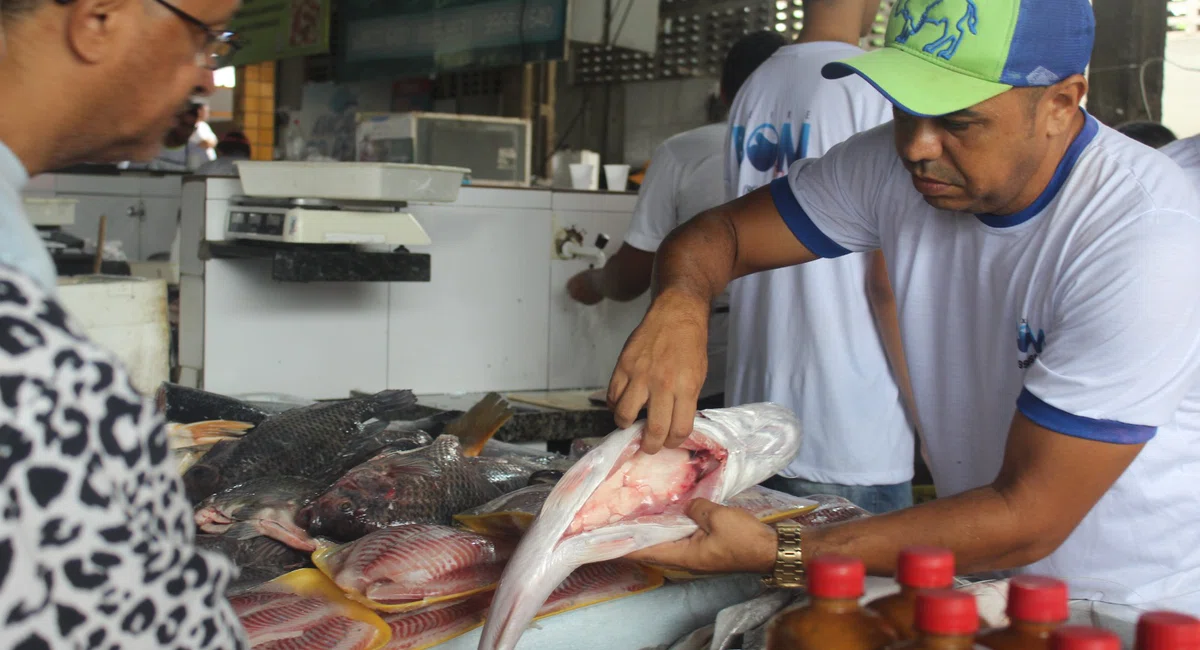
x=1048, y=287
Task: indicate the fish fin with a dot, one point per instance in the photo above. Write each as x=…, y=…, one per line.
x=291, y=535
x=386, y=405
x=413, y=465
x=475, y=427
x=244, y=530
x=435, y=425
x=208, y=432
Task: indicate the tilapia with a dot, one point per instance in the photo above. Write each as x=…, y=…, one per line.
x=301, y=442
x=617, y=499
x=263, y=506
x=204, y=434
x=427, y=486
x=430, y=626
x=187, y=405
x=413, y=566
x=508, y=515
x=597, y=583
x=258, y=559
x=301, y=611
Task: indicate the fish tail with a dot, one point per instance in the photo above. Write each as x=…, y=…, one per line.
x=385, y=405
x=517, y=602
x=198, y=434
x=475, y=427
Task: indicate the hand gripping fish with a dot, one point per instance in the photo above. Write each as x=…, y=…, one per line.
x=617, y=500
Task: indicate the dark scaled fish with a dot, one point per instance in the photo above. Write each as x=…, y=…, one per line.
x=263, y=506
x=187, y=405
x=303, y=442
x=425, y=486
x=259, y=559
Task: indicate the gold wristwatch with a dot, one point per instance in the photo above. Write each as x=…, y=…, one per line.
x=789, y=559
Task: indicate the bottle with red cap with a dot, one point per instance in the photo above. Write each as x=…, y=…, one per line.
x=832, y=619
x=1036, y=606
x=1168, y=631
x=946, y=620
x=918, y=568
x=1078, y=637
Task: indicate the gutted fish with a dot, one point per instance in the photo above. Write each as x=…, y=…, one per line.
x=263, y=506
x=187, y=405
x=258, y=559
x=617, y=500
x=408, y=567
x=301, y=442
x=427, y=486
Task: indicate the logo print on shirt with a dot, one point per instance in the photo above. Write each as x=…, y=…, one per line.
x=955, y=17
x=1025, y=341
x=770, y=148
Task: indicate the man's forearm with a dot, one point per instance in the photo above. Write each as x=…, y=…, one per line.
x=979, y=526
x=697, y=258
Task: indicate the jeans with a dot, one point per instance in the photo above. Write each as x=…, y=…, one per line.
x=875, y=499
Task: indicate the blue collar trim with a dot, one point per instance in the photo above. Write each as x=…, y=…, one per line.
x=1065, y=166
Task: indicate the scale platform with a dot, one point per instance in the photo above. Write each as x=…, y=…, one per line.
x=322, y=221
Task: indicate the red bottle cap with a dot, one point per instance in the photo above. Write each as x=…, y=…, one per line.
x=1077, y=637
x=1035, y=599
x=926, y=567
x=835, y=576
x=1168, y=631
x=946, y=612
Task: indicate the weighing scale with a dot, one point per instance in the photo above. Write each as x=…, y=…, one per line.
x=323, y=221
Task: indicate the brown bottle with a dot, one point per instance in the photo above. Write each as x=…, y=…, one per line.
x=946, y=620
x=918, y=568
x=1168, y=631
x=1077, y=637
x=1036, y=606
x=832, y=619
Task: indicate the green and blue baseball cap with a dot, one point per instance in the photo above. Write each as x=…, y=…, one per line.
x=942, y=56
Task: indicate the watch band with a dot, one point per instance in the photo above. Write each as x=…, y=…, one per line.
x=789, y=558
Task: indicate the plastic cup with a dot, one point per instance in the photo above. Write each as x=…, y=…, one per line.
x=581, y=176
x=617, y=177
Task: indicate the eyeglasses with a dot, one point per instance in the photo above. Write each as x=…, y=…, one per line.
x=219, y=46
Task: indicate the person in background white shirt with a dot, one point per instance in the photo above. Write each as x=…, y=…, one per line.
x=1186, y=154
x=177, y=154
x=203, y=137
x=807, y=337
x=684, y=179
x=1048, y=284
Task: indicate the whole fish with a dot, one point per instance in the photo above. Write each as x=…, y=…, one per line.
x=187, y=405
x=415, y=564
x=428, y=486
x=263, y=506
x=258, y=559
x=617, y=499
x=302, y=442
x=508, y=515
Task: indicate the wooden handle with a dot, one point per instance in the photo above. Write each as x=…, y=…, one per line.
x=96, y=265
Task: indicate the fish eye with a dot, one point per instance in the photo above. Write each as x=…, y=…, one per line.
x=344, y=506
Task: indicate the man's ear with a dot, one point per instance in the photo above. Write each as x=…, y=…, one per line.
x=1064, y=99
x=96, y=29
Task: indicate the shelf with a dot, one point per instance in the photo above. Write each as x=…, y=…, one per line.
x=325, y=263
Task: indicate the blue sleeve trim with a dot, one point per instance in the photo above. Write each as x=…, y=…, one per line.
x=1077, y=426
x=800, y=224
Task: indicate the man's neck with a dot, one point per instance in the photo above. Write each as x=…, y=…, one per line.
x=1042, y=178
x=32, y=124
x=830, y=24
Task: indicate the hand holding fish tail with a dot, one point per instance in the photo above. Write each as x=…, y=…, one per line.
x=730, y=540
x=663, y=367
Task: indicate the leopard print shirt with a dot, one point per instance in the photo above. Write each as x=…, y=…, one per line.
x=96, y=535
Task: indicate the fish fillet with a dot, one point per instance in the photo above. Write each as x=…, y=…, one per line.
x=330, y=633
x=410, y=566
x=436, y=624
x=617, y=500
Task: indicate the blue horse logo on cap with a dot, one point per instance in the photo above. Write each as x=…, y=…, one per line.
x=962, y=14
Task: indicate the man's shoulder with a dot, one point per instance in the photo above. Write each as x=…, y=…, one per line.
x=1130, y=177
x=1185, y=152
x=695, y=145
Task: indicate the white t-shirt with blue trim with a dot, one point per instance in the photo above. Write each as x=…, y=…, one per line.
x=804, y=336
x=1082, y=311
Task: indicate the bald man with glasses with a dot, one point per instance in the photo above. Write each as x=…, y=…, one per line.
x=98, y=547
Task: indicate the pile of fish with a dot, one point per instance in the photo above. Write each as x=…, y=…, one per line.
x=358, y=524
